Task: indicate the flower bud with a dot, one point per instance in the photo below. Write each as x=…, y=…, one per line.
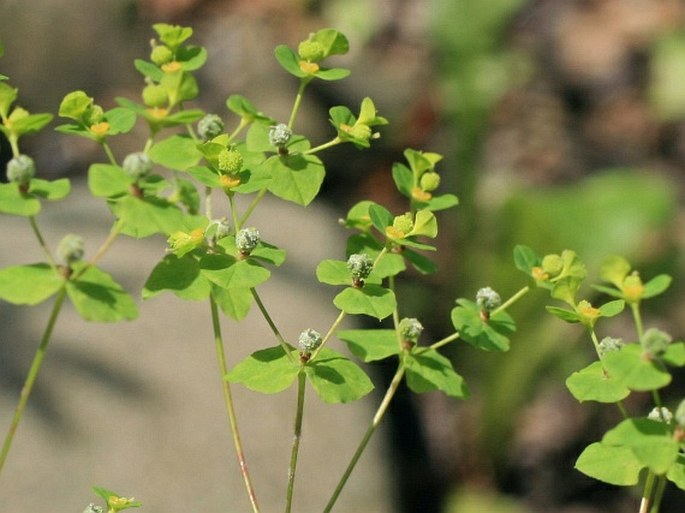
x=137, y=165
x=230, y=161
x=360, y=266
x=633, y=288
x=279, y=135
x=310, y=50
x=429, y=181
x=155, y=95
x=552, y=264
x=609, y=344
x=662, y=414
x=161, y=54
x=488, y=299
x=92, y=508
x=654, y=342
x=246, y=240
x=21, y=169
x=70, y=249
x=410, y=330
x=403, y=223
x=209, y=127
x=309, y=340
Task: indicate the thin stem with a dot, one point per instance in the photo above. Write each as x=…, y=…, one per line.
x=208, y=202
x=298, y=101
x=329, y=333
x=41, y=241
x=104, y=247
x=243, y=123
x=658, y=493
x=511, y=300
x=440, y=343
x=109, y=153
x=297, y=435
x=635, y=308
x=389, y=394
x=252, y=206
x=646, y=502
x=234, y=212
x=329, y=144
x=33, y=374
x=228, y=399
x=272, y=324
x=14, y=144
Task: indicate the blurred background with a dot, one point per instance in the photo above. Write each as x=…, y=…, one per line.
x=562, y=123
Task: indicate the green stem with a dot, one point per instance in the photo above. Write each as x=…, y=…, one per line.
x=104, y=247
x=41, y=241
x=298, y=101
x=33, y=374
x=635, y=308
x=252, y=206
x=389, y=394
x=234, y=212
x=14, y=144
x=329, y=144
x=658, y=493
x=511, y=300
x=646, y=503
x=109, y=153
x=228, y=399
x=297, y=434
x=243, y=123
x=329, y=333
x=272, y=324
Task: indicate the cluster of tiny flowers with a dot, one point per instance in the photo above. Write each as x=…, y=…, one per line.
x=360, y=266
x=309, y=340
x=230, y=161
x=137, y=165
x=662, y=414
x=70, y=249
x=92, y=508
x=279, y=135
x=488, y=299
x=609, y=344
x=655, y=341
x=410, y=329
x=222, y=228
x=247, y=239
x=209, y=127
x=21, y=169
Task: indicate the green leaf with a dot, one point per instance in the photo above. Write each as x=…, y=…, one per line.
x=650, y=441
x=635, y=370
x=441, y=202
x=425, y=224
x=612, y=308
x=403, y=178
x=296, y=177
x=8, y=96
x=370, y=345
x=230, y=273
x=108, y=181
x=30, y=124
x=614, y=269
x=50, y=190
x=372, y=300
x=490, y=335
x=15, y=202
x=336, y=379
x=676, y=474
x=233, y=302
x=246, y=110
x=141, y=218
x=564, y=315
x=525, y=259
x=74, y=105
x=593, y=383
x=191, y=57
x=120, y=120
x=390, y=264
x=611, y=464
x=428, y=371
x=176, y=152
x=674, y=354
x=172, y=35
x=97, y=297
x=331, y=74
x=333, y=42
x=380, y=217
x=268, y=371
x=289, y=61
x=421, y=263
x=148, y=69
x=333, y=272
x=29, y=284
x=180, y=276
x=656, y=286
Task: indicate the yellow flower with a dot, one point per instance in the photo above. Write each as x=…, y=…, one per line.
x=100, y=129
